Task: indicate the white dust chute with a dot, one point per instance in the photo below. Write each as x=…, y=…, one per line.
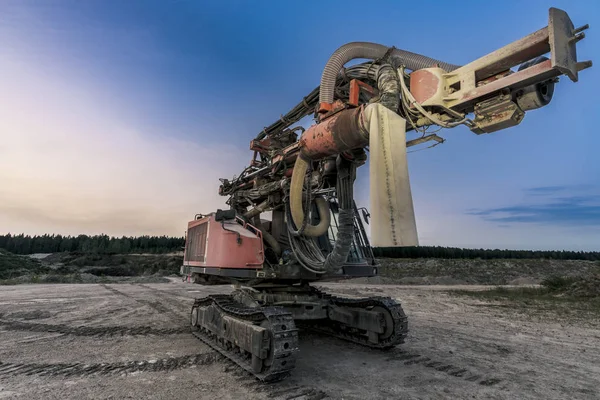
x=392, y=213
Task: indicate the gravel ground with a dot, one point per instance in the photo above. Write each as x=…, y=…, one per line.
x=130, y=341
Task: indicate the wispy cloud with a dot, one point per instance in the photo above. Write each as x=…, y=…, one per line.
x=553, y=190
x=545, y=190
x=563, y=210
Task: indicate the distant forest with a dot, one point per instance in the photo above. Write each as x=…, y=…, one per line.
x=485, y=254
x=104, y=244
x=25, y=244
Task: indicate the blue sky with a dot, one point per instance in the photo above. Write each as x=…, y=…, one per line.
x=119, y=116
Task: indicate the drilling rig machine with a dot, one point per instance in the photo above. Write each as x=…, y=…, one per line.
x=316, y=231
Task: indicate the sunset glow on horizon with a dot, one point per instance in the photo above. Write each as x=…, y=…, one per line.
x=121, y=119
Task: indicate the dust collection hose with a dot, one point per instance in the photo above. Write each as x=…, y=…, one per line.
x=296, y=185
x=388, y=84
x=353, y=50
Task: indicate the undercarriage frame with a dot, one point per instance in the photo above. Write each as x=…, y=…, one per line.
x=258, y=327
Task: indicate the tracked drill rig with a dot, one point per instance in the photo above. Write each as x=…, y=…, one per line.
x=305, y=178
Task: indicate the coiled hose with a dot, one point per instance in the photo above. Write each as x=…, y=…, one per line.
x=306, y=248
x=304, y=245
x=353, y=50
x=296, y=185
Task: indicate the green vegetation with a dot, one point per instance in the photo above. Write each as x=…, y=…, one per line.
x=557, y=296
x=13, y=266
x=117, y=265
x=104, y=244
x=16, y=269
x=481, y=272
x=101, y=244
x=77, y=267
x=458, y=253
x=553, y=288
x=559, y=284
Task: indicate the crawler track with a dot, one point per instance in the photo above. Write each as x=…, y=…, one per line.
x=395, y=314
x=283, y=346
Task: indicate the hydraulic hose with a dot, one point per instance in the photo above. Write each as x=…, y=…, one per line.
x=267, y=237
x=257, y=210
x=345, y=233
x=354, y=50
x=296, y=185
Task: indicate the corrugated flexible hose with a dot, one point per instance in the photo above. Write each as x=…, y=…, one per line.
x=354, y=50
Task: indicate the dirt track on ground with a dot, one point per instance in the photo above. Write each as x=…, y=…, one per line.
x=130, y=341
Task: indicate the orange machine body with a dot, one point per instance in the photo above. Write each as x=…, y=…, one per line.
x=223, y=244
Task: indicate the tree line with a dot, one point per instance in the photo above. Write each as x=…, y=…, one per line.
x=104, y=244
x=486, y=254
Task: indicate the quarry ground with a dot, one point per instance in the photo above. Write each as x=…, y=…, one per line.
x=131, y=341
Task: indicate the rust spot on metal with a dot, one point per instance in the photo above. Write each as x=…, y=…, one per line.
x=324, y=107
x=494, y=78
x=355, y=88
x=535, y=73
x=289, y=172
x=336, y=107
x=515, y=53
x=338, y=133
x=423, y=85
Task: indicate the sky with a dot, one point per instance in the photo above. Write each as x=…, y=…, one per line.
x=119, y=117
